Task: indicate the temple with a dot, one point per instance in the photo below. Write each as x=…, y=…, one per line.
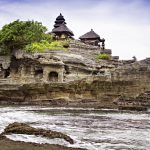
x=85, y=74
x=92, y=38
x=60, y=30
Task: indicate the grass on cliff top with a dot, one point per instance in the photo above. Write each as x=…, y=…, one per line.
x=102, y=56
x=45, y=45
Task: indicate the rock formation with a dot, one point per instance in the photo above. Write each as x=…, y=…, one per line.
x=72, y=78
x=7, y=144
x=22, y=128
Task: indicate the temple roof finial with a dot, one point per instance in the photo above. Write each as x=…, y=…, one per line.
x=59, y=20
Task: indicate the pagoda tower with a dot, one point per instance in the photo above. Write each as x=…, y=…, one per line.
x=59, y=20
x=60, y=30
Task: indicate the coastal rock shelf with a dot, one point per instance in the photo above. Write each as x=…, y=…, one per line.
x=59, y=78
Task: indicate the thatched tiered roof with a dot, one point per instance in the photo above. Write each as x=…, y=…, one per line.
x=90, y=35
x=59, y=20
x=62, y=29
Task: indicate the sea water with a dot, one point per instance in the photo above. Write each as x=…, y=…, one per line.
x=94, y=129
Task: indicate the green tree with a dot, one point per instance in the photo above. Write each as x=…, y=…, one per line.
x=18, y=34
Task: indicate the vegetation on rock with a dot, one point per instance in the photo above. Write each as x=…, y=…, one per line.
x=102, y=56
x=18, y=34
x=30, y=36
x=45, y=45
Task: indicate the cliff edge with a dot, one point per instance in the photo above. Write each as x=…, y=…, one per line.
x=74, y=78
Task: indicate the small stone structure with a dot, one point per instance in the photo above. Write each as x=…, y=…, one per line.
x=46, y=73
x=53, y=73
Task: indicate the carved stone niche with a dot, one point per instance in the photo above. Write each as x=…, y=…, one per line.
x=53, y=73
x=38, y=72
x=53, y=76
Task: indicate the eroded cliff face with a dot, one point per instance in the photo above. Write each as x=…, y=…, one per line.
x=59, y=78
x=89, y=92
x=138, y=97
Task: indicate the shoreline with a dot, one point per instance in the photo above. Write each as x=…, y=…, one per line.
x=88, y=121
x=7, y=144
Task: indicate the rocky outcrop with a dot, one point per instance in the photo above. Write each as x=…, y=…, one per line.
x=66, y=66
x=72, y=78
x=7, y=144
x=22, y=128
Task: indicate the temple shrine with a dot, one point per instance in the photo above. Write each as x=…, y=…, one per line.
x=92, y=38
x=62, y=32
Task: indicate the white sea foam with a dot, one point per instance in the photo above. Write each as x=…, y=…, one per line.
x=90, y=128
x=36, y=139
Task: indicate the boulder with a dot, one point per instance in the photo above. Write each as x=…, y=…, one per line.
x=22, y=128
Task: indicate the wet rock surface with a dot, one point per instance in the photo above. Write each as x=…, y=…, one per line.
x=7, y=144
x=22, y=128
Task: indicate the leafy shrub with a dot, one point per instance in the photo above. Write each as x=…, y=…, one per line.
x=102, y=56
x=45, y=45
x=18, y=34
x=48, y=37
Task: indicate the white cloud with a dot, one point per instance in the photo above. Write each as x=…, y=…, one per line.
x=124, y=24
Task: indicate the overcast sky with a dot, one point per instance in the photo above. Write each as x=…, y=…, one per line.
x=125, y=24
